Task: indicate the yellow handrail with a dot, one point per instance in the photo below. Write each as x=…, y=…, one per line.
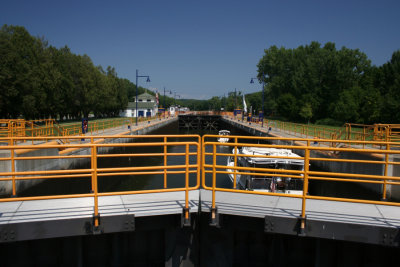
x=189, y=143
x=311, y=155
x=194, y=146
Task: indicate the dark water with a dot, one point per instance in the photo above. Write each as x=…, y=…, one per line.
x=156, y=181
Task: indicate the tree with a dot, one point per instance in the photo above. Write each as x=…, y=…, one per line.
x=314, y=78
x=306, y=112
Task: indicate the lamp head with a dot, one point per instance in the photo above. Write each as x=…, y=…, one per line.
x=251, y=81
x=148, y=79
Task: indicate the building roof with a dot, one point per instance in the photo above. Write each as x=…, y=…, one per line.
x=146, y=96
x=141, y=105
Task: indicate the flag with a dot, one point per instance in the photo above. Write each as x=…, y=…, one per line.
x=244, y=105
x=157, y=97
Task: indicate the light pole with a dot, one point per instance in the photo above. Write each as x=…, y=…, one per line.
x=174, y=98
x=170, y=92
x=148, y=80
x=175, y=95
x=262, y=103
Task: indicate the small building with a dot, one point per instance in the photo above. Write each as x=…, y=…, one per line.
x=147, y=106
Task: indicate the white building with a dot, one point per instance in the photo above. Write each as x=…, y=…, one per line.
x=147, y=107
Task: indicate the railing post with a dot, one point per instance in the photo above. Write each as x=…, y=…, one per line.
x=213, y=208
x=387, y=138
x=364, y=133
x=234, y=164
x=96, y=214
x=14, y=190
x=165, y=161
x=385, y=172
x=187, y=220
x=305, y=189
x=32, y=132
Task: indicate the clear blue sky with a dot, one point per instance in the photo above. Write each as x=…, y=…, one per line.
x=204, y=48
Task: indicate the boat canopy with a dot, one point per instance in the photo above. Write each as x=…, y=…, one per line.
x=224, y=132
x=266, y=151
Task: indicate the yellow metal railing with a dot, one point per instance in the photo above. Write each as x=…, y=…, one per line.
x=50, y=127
x=349, y=131
x=312, y=155
x=383, y=160
x=189, y=144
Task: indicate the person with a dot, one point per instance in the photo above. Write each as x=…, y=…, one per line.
x=85, y=126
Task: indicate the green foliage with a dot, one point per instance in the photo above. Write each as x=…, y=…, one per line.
x=41, y=81
x=306, y=112
x=314, y=83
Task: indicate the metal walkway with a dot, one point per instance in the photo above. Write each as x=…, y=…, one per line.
x=367, y=223
x=38, y=219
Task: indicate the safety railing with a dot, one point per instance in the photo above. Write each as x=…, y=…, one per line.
x=372, y=167
x=295, y=129
x=168, y=155
x=50, y=127
x=349, y=131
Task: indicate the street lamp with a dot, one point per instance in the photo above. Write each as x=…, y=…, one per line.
x=262, y=89
x=170, y=92
x=175, y=95
x=148, y=80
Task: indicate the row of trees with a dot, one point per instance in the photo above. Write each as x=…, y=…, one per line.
x=325, y=84
x=40, y=81
x=312, y=82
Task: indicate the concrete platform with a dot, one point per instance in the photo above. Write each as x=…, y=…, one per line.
x=369, y=223
x=366, y=223
x=25, y=220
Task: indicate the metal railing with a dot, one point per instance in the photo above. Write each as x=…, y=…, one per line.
x=381, y=161
x=189, y=144
x=50, y=127
x=349, y=131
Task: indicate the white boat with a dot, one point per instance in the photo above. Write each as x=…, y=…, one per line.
x=285, y=160
x=223, y=133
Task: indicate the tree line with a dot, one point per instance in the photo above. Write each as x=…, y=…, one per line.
x=323, y=85
x=309, y=83
x=38, y=80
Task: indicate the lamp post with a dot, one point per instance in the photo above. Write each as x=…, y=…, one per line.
x=148, y=80
x=262, y=103
x=243, y=107
x=170, y=92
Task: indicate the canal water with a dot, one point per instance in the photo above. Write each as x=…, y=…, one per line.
x=156, y=181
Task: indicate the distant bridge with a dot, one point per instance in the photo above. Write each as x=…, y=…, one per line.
x=199, y=122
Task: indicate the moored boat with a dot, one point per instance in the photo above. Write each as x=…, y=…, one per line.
x=278, y=159
x=223, y=133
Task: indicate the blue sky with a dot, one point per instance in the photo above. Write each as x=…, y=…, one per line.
x=201, y=49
